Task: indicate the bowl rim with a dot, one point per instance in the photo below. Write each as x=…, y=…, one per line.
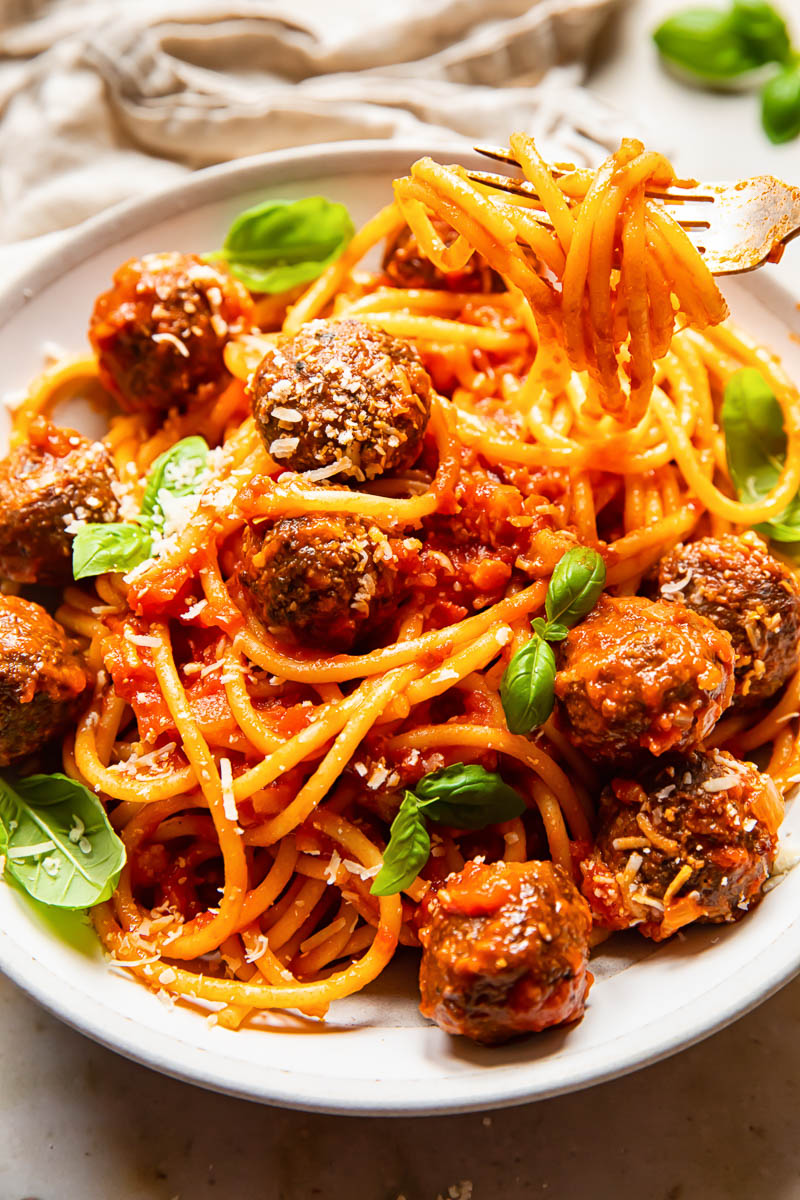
x=484, y=1087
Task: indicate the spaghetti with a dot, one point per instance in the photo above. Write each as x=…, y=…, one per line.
x=253, y=782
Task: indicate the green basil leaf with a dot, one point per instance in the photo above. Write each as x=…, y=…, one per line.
x=278, y=245
x=555, y=632
x=762, y=29
x=706, y=42
x=59, y=844
x=575, y=586
x=468, y=796
x=407, y=852
x=113, y=547
x=755, y=446
x=527, y=690
x=178, y=472
x=755, y=441
x=780, y=106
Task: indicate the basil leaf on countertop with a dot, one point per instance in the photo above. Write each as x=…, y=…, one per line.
x=780, y=105
x=575, y=585
x=57, y=841
x=468, y=796
x=705, y=42
x=407, y=852
x=527, y=690
x=279, y=244
x=762, y=29
x=755, y=446
x=113, y=547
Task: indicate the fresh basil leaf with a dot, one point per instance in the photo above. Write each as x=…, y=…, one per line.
x=527, y=690
x=178, y=472
x=706, y=42
x=575, y=586
x=755, y=440
x=468, y=796
x=780, y=106
x=755, y=446
x=407, y=852
x=113, y=547
x=762, y=29
x=278, y=245
x=555, y=632
x=58, y=842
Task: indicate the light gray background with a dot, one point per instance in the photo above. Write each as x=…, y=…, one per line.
x=718, y=1122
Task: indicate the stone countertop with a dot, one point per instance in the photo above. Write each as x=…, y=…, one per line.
x=717, y=1122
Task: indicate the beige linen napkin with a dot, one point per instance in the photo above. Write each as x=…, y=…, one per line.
x=101, y=100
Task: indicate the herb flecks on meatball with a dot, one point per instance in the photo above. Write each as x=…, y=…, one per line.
x=690, y=839
x=505, y=950
x=159, y=332
x=50, y=486
x=42, y=680
x=344, y=396
x=322, y=579
x=641, y=676
x=745, y=590
x=405, y=265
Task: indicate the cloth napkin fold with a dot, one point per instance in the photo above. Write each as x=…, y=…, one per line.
x=101, y=100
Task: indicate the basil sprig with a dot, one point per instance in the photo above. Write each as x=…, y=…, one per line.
x=57, y=842
x=716, y=44
x=464, y=795
x=527, y=690
x=755, y=446
x=277, y=245
x=780, y=105
x=120, y=546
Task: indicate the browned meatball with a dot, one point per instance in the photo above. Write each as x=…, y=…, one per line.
x=690, y=839
x=50, y=485
x=324, y=579
x=743, y=589
x=42, y=680
x=406, y=266
x=159, y=332
x=505, y=950
x=345, y=394
x=638, y=675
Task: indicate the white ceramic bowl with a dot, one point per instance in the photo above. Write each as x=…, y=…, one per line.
x=375, y=1054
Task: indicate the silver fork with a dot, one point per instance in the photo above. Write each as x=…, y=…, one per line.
x=735, y=226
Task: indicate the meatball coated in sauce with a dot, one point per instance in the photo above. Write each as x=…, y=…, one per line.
x=690, y=839
x=405, y=265
x=641, y=676
x=323, y=579
x=49, y=486
x=505, y=950
x=342, y=394
x=42, y=681
x=743, y=589
x=160, y=331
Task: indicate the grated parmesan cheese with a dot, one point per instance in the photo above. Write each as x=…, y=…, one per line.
x=332, y=869
x=228, y=798
x=174, y=341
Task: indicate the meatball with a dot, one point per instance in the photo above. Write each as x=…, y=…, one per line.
x=405, y=265
x=42, y=681
x=505, y=950
x=159, y=332
x=639, y=675
x=323, y=578
x=48, y=485
x=743, y=589
x=692, y=838
x=344, y=395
